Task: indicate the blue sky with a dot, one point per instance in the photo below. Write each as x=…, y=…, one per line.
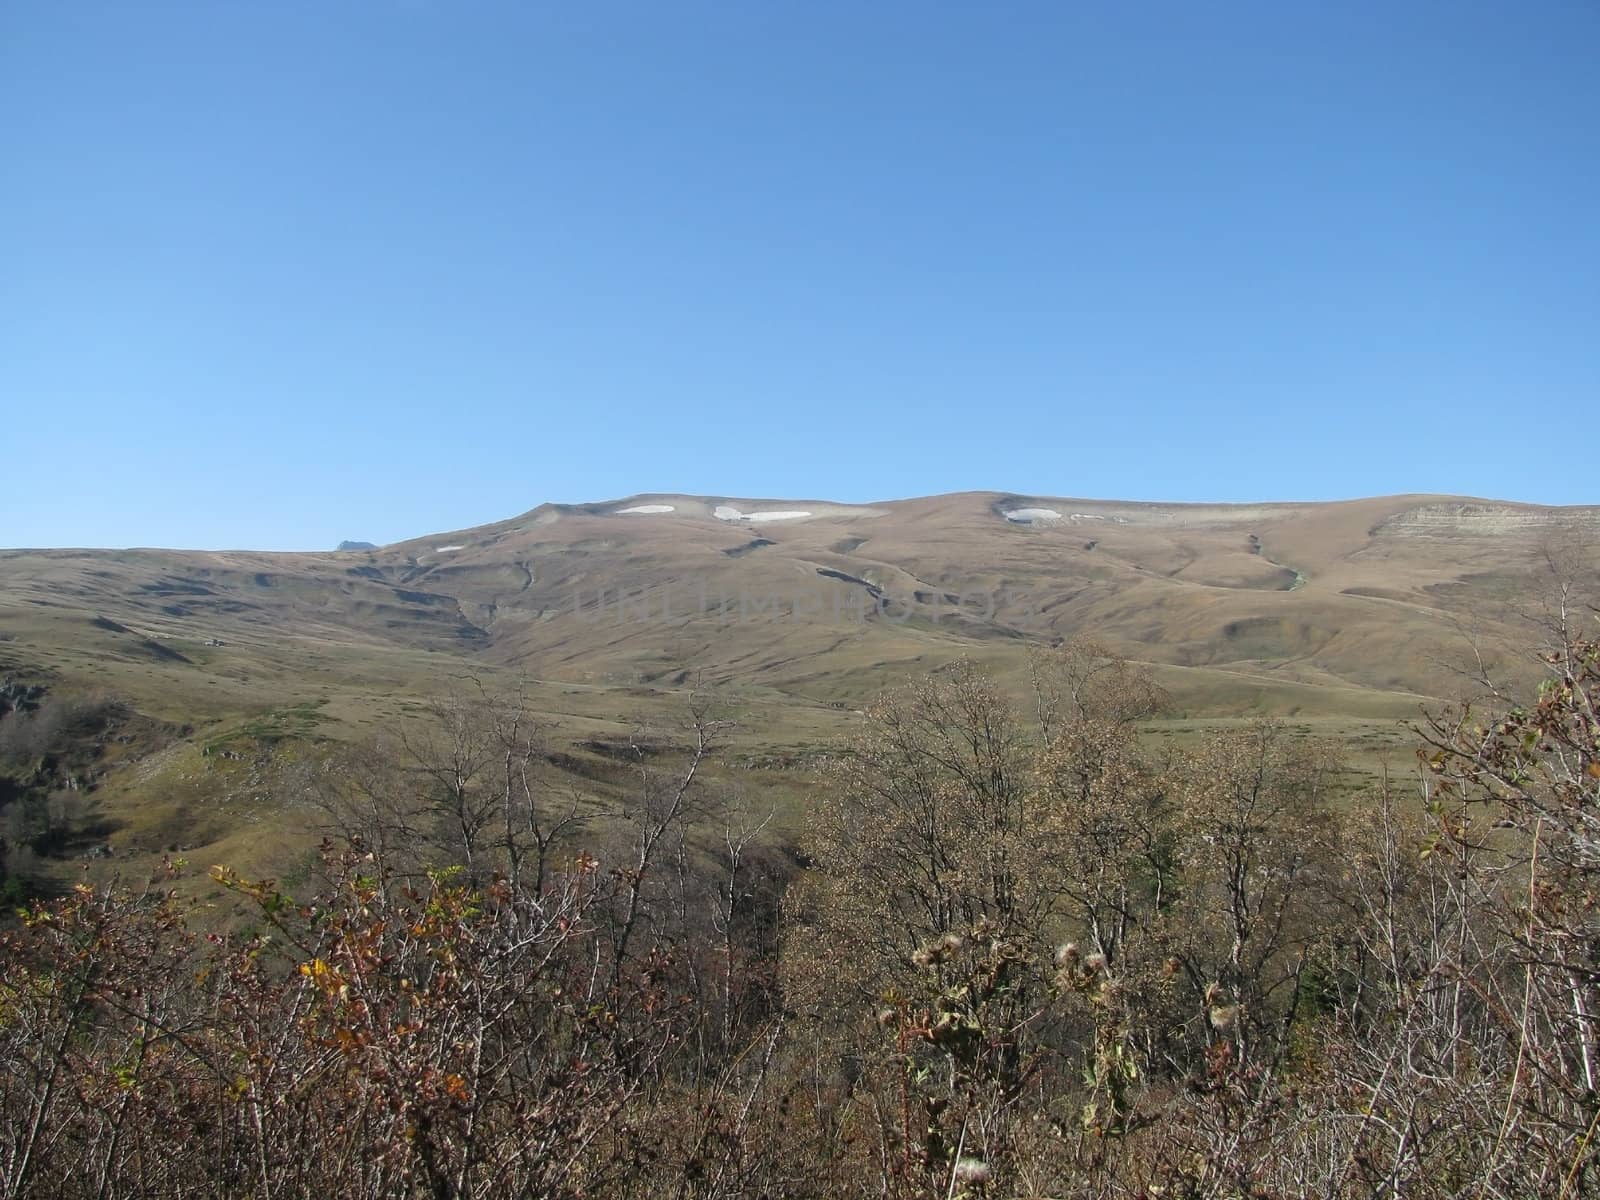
x=276, y=273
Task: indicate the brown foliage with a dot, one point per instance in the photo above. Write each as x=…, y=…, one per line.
x=1029, y=959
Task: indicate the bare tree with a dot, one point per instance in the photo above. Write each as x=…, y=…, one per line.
x=1083, y=678
x=656, y=814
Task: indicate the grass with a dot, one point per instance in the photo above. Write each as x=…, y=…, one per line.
x=299, y=722
x=338, y=648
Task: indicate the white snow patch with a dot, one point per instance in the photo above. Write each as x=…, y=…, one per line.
x=1027, y=516
x=447, y=549
x=726, y=512
x=1087, y=517
x=645, y=508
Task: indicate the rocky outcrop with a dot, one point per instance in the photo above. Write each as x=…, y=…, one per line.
x=1466, y=518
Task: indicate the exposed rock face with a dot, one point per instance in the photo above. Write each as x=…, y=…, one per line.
x=19, y=697
x=1469, y=518
x=356, y=546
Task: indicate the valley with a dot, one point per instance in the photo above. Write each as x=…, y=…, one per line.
x=1346, y=619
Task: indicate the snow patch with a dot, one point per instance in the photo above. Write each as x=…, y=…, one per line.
x=645, y=508
x=1028, y=516
x=447, y=549
x=726, y=512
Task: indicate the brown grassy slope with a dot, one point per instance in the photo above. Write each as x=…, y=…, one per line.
x=1372, y=594
x=1367, y=595
x=1346, y=616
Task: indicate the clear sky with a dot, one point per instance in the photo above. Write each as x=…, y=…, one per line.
x=275, y=273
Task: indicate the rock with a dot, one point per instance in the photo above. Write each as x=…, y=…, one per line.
x=19, y=697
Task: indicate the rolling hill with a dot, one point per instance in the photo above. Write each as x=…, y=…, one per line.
x=1347, y=615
